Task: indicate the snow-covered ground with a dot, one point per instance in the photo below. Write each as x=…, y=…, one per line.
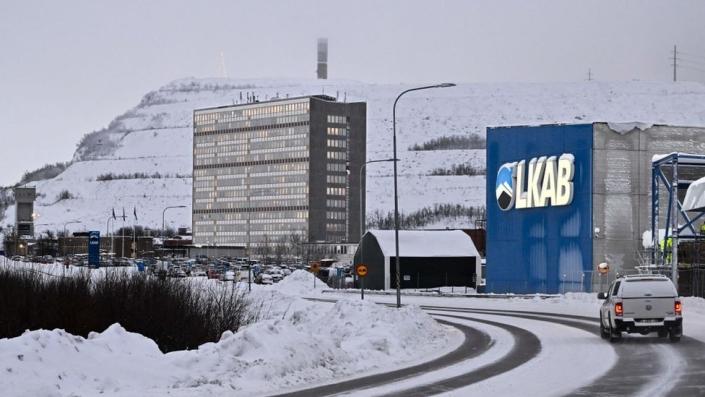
x=298, y=343
x=156, y=137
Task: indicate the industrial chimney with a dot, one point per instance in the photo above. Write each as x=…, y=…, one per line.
x=322, y=69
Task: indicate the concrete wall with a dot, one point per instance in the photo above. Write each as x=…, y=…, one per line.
x=622, y=186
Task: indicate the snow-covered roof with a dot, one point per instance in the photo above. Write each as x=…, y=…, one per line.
x=689, y=158
x=695, y=196
x=426, y=243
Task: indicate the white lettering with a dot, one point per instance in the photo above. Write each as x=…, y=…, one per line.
x=564, y=180
x=521, y=196
x=548, y=187
x=545, y=181
x=534, y=181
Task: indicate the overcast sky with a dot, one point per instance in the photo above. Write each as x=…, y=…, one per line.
x=69, y=67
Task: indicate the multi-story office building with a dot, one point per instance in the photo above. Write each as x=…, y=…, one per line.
x=265, y=171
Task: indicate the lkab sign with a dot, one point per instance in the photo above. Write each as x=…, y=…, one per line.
x=543, y=182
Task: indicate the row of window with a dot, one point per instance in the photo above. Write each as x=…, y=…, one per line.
x=336, y=215
x=245, y=136
x=241, y=203
x=335, y=119
x=243, y=147
x=331, y=203
x=339, y=143
x=250, y=126
x=272, y=156
x=337, y=155
x=241, y=183
x=339, y=179
x=251, y=112
x=336, y=167
x=335, y=131
x=335, y=227
x=335, y=191
x=243, y=217
x=295, y=167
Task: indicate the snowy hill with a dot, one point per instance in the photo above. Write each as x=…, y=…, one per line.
x=143, y=159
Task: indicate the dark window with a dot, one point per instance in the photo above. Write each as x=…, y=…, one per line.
x=616, y=288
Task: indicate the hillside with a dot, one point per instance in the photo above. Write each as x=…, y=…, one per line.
x=143, y=158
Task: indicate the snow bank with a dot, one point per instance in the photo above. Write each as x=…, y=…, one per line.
x=56, y=363
x=305, y=343
x=299, y=283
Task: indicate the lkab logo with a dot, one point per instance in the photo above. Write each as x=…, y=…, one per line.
x=545, y=182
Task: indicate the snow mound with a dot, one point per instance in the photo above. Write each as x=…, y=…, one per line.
x=57, y=363
x=299, y=282
x=311, y=343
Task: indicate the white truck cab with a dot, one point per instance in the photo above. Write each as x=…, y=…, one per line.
x=641, y=304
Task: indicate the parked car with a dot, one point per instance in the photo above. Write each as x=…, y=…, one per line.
x=228, y=275
x=264, y=278
x=641, y=304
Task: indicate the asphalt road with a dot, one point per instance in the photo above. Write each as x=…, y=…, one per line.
x=645, y=365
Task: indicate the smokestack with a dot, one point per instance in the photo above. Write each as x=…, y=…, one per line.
x=322, y=70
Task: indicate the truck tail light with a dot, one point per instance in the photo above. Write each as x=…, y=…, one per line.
x=618, y=309
x=679, y=308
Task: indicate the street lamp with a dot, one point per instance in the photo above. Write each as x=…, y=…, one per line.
x=163, y=212
x=362, y=214
x=396, y=196
x=69, y=223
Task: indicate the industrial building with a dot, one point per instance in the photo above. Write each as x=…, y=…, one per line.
x=264, y=171
x=562, y=199
x=427, y=259
x=24, y=215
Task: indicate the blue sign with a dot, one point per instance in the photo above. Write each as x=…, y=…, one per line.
x=94, y=249
x=539, y=208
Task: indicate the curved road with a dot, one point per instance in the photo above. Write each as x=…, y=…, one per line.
x=645, y=366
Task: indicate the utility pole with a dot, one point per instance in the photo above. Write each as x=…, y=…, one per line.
x=589, y=74
x=675, y=62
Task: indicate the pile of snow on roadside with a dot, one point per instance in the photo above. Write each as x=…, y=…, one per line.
x=299, y=282
x=310, y=343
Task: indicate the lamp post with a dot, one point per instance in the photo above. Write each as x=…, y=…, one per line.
x=69, y=223
x=362, y=192
x=362, y=213
x=396, y=195
x=164, y=212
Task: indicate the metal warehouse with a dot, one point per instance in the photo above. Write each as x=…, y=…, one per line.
x=427, y=258
x=563, y=198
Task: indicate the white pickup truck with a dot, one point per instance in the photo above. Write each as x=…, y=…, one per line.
x=641, y=304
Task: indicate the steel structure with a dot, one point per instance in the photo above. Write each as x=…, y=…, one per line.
x=666, y=171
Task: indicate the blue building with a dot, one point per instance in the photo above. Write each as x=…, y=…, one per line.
x=563, y=198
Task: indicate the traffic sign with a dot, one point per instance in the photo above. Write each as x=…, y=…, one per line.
x=603, y=268
x=315, y=267
x=361, y=270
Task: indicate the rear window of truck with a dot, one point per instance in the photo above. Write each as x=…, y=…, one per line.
x=648, y=288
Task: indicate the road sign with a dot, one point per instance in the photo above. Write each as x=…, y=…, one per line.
x=361, y=270
x=94, y=249
x=315, y=267
x=603, y=268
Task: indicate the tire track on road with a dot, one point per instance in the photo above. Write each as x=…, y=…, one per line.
x=476, y=342
x=526, y=347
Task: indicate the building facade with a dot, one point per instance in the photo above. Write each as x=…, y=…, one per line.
x=265, y=171
x=562, y=199
x=24, y=214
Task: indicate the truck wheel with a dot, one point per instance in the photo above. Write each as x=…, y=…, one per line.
x=614, y=335
x=675, y=334
x=604, y=332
